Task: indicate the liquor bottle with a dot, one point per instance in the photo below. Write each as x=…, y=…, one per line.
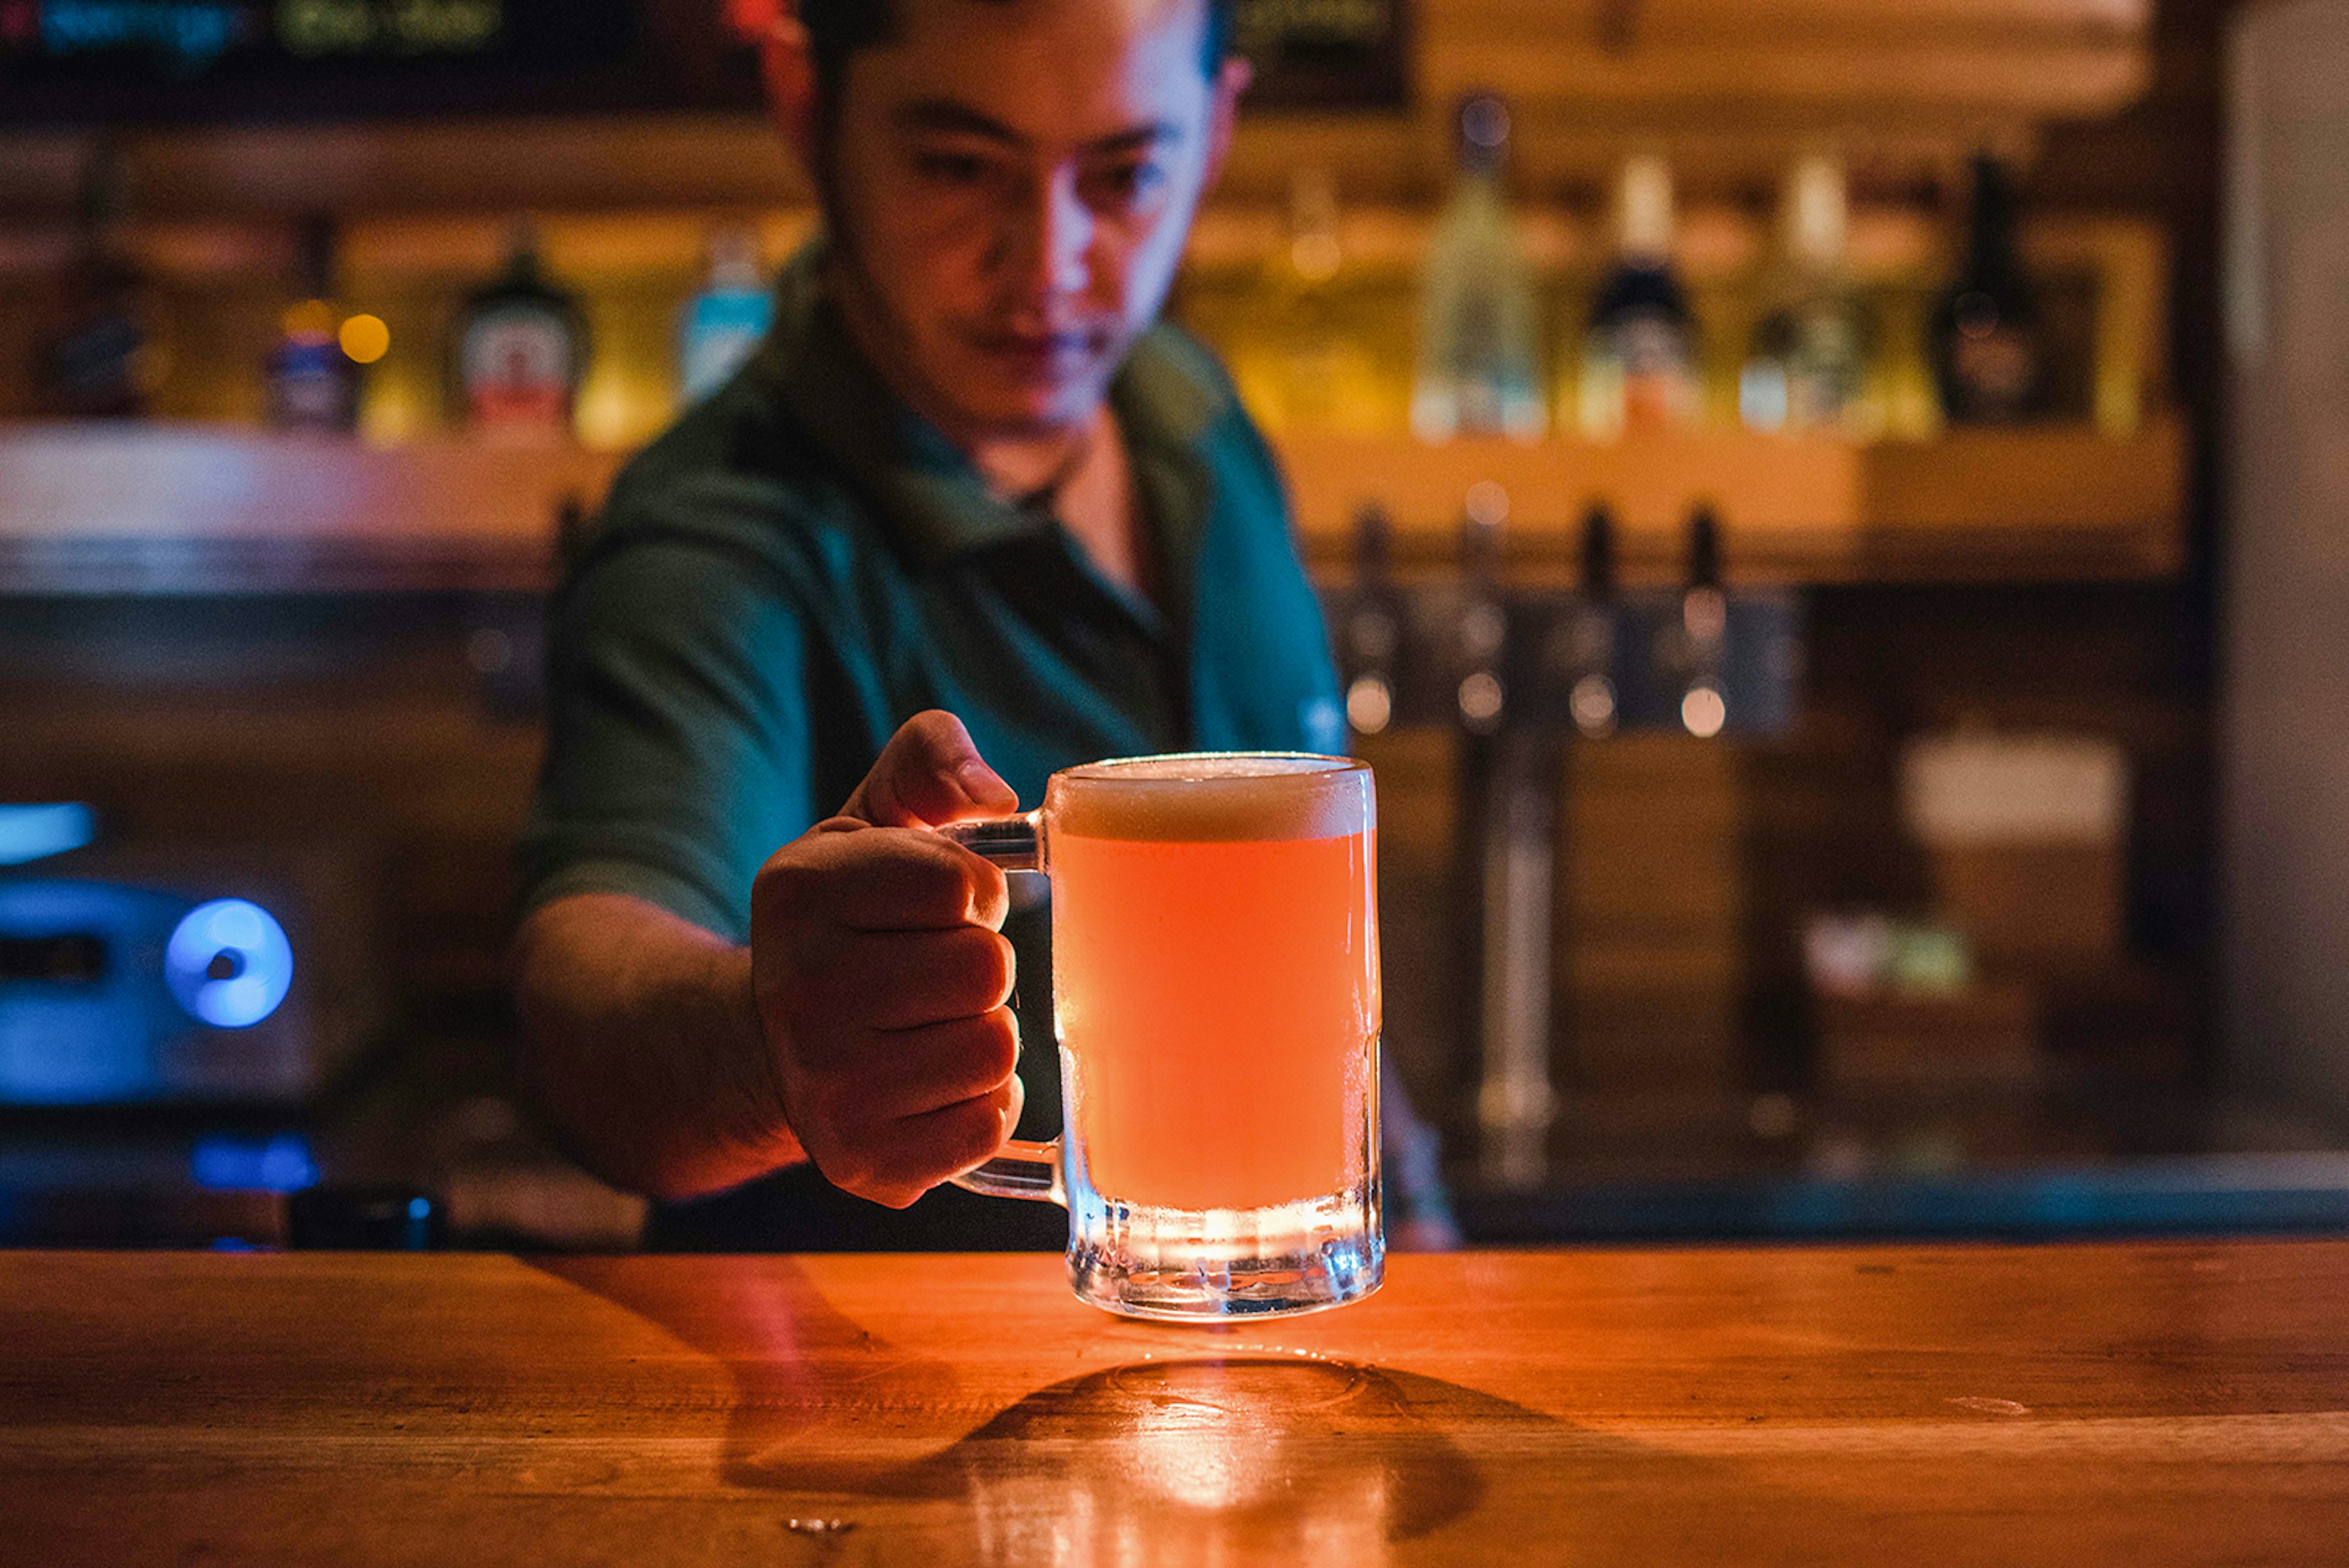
x=1640, y=353
x=726, y=321
x=519, y=351
x=1479, y=371
x=1807, y=368
x=1988, y=354
x=313, y=384
x=103, y=357
x=1311, y=369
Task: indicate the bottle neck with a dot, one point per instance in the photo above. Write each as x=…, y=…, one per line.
x=1990, y=248
x=1817, y=216
x=1644, y=212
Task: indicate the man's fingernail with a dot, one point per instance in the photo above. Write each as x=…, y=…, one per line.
x=979, y=781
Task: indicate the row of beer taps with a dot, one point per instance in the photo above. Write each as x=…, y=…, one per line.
x=1522, y=672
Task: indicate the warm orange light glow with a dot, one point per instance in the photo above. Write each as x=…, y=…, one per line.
x=365, y=338
x=310, y=318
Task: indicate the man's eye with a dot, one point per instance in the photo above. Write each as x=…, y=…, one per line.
x=1129, y=182
x=950, y=168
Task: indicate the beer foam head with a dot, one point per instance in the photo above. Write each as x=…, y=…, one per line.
x=1214, y=797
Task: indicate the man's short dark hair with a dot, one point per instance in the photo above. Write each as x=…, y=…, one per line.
x=838, y=28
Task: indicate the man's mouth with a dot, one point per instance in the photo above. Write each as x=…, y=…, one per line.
x=1045, y=356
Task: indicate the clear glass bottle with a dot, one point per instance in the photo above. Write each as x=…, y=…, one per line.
x=1312, y=372
x=1807, y=367
x=1479, y=368
x=1639, y=365
x=1989, y=351
x=518, y=352
x=313, y=384
x=728, y=317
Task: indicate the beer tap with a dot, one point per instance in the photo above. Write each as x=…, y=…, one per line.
x=1697, y=641
x=1509, y=785
x=1482, y=633
x=1581, y=658
x=1371, y=630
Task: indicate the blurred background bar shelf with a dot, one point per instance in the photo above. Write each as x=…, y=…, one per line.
x=1687, y=694
x=100, y=509
x=220, y=508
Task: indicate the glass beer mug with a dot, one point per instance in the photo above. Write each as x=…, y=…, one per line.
x=1216, y=994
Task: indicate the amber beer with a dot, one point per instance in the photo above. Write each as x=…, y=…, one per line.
x=1216, y=992
x=1216, y=978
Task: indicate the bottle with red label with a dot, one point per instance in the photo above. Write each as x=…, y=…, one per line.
x=518, y=352
x=1639, y=359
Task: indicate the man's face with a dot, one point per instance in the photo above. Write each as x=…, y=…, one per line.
x=1010, y=186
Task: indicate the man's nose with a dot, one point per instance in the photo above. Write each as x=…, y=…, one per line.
x=1057, y=236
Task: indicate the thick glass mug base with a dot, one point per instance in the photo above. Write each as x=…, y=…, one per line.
x=1178, y=1265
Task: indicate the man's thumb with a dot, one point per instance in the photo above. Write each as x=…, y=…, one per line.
x=930, y=773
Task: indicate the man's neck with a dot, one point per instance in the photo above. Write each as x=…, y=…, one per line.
x=1082, y=465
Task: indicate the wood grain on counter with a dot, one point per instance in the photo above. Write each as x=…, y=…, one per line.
x=2175, y=1403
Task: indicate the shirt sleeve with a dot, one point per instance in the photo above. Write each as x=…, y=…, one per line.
x=678, y=746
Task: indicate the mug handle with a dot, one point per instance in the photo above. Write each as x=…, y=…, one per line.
x=1022, y=1168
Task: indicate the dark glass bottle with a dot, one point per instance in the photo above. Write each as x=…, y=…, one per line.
x=1639, y=354
x=1990, y=356
x=518, y=352
x=103, y=358
x=314, y=384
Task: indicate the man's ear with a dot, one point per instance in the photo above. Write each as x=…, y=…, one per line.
x=788, y=67
x=1232, y=79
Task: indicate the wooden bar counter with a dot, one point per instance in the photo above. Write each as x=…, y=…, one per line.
x=2080, y=1405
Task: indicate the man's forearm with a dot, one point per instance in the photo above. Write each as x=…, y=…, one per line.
x=641, y=1047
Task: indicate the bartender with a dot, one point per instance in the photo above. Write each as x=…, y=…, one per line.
x=971, y=513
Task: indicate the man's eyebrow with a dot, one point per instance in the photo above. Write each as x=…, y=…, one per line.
x=945, y=115
x=1137, y=139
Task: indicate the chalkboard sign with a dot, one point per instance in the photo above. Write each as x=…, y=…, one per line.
x=1326, y=54
x=79, y=60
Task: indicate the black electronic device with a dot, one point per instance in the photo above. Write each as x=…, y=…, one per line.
x=122, y=987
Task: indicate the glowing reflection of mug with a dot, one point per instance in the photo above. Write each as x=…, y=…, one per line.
x=229, y=964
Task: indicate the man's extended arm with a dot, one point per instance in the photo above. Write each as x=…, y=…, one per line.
x=641, y=1047
x=864, y=1027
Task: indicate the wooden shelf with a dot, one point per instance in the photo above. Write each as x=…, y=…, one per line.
x=184, y=509
x=97, y=509
x=2063, y=503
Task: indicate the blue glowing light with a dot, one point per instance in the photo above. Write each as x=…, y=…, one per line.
x=30, y=833
x=224, y=1163
x=229, y=964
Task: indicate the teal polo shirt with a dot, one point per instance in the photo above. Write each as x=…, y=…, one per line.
x=801, y=564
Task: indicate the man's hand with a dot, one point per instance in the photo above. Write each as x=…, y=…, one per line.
x=881, y=974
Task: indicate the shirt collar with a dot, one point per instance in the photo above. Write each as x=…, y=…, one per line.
x=926, y=493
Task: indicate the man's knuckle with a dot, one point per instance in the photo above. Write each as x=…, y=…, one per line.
x=972, y=1132
x=996, y=1046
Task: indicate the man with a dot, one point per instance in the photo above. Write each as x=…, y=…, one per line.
x=967, y=488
